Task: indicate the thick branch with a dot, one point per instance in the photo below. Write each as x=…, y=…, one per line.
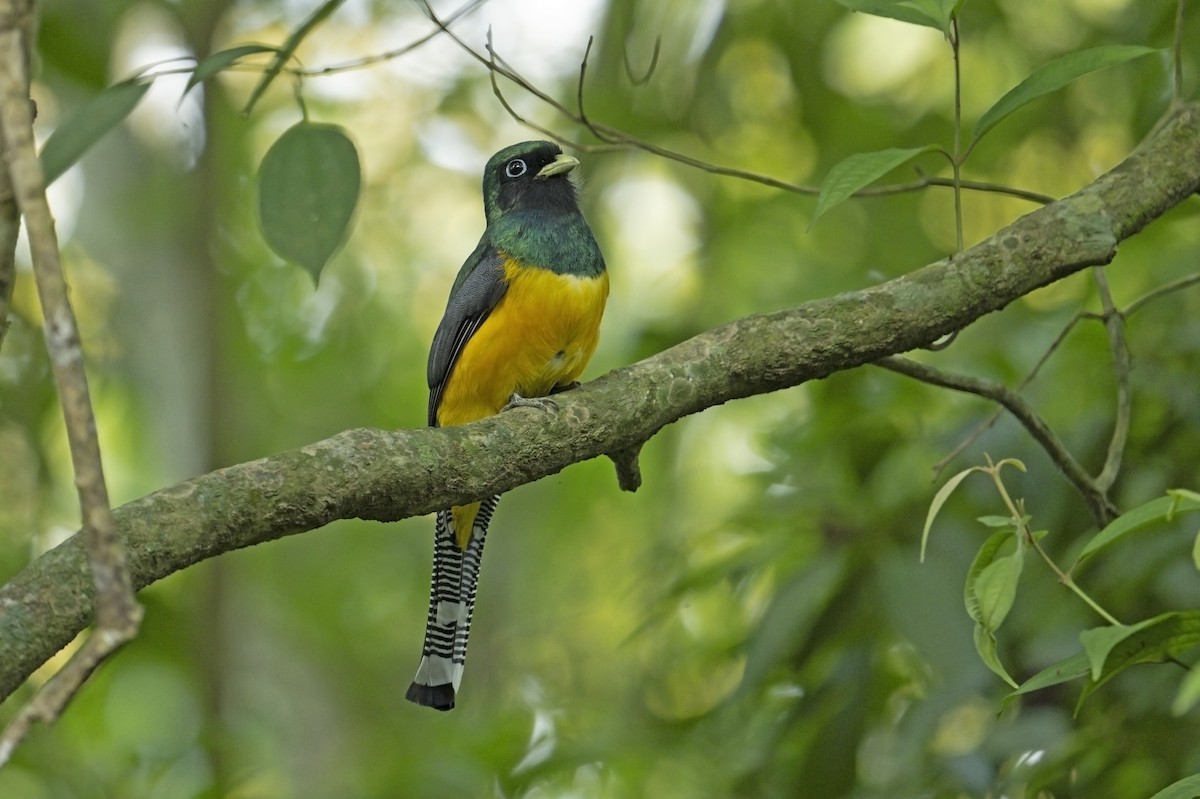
x=385, y=476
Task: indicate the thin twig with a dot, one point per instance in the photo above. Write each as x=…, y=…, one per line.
x=1177, y=54
x=512, y=112
x=615, y=139
x=287, y=51
x=583, y=117
x=1128, y=311
x=973, y=185
x=117, y=612
x=10, y=224
x=1093, y=495
x=388, y=55
x=1161, y=291
x=1114, y=323
x=150, y=70
x=970, y=439
x=644, y=79
x=1017, y=510
x=957, y=161
x=987, y=423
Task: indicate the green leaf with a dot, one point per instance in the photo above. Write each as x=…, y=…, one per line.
x=930, y=13
x=983, y=558
x=308, y=188
x=74, y=136
x=224, y=59
x=1111, y=650
x=1196, y=552
x=1182, y=497
x=996, y=521
x=791, y=617
x=985, y=645
x=1188, y=693
x=996, y=589
x=1065, y=670
x=1055, y=75
x=1186, y=788
x=1099, y=641
x=939, y=499
x=1156, y=510
x=858, y=170
x=283, y=54
x=989, y=593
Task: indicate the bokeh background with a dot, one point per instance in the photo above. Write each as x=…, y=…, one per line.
x=754, y=621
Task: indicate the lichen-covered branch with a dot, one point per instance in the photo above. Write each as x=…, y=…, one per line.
x=389, y=475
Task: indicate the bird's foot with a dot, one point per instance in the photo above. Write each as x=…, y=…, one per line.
x=517, y=401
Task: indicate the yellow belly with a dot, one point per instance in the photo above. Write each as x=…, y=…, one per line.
x=540, y=335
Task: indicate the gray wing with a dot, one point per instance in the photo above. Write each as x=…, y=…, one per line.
x=479, y=286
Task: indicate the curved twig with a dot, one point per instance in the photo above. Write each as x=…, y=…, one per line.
x=1162, y=291
x=1093, y=493
x=642, y=81
x=617, y=139
x=389, y=55
x=582, y=116
x=1154, y=294
x=1114, y=323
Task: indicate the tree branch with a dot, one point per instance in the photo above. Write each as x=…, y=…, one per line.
x=390, y=475
x=117, y=612
x=10, y=223
x=371, y=60
x=614, y=139
x=1114, y=325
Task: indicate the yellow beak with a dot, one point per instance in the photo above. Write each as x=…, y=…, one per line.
x=561, y=164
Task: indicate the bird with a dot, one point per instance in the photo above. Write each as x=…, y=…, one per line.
x=521, y=323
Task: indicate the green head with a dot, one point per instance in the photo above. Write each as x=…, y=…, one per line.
x=532, y=175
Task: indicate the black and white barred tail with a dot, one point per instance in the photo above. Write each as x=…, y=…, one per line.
x=451, y=604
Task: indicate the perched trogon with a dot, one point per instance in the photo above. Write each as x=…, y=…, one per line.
x=522, y=321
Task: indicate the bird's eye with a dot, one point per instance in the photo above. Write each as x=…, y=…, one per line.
x=515, y=168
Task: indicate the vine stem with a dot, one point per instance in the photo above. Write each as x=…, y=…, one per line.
x=1177, y=54
x=1018, y=516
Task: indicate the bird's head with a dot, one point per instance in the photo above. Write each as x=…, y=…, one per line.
x=532, y=174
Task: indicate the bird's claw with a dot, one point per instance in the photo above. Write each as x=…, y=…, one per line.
x=517, y=401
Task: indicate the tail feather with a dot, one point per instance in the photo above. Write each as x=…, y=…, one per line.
x=451, y=607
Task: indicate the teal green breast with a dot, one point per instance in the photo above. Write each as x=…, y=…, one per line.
x=558, y=241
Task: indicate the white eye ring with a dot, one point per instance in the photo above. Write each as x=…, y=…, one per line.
x=515, y=168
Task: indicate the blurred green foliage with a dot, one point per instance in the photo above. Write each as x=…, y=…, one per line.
x=754, y=621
